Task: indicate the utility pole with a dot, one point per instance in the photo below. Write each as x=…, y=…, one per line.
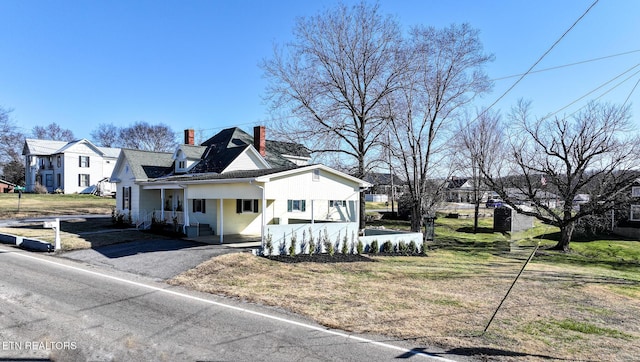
x=392, y=193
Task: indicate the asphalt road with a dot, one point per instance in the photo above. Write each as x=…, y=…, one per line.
x=160, y=259
x=59, y=309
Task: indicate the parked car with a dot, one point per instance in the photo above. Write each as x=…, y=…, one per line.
x=494, y=203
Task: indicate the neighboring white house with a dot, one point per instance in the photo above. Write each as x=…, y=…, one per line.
x=235, y=187
x=71, y=167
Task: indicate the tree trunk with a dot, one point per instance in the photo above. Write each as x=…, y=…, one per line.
x=566, y=232
x=416, y=218
x=363, y=212
x=476, y=215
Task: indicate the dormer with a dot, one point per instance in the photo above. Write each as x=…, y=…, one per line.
x=187, y=156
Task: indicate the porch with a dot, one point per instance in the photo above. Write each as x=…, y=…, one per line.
x=231, y=240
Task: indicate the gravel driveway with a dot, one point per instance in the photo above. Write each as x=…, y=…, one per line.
x=161, y=259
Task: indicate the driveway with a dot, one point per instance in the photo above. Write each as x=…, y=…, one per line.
x=160, y=259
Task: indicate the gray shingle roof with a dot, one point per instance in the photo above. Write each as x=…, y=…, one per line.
x=49, y=147
x=193, y=152
x=221, y=148
x=222, y=176
x=148, y=164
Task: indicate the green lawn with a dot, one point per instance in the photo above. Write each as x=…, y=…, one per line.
x=35, y=205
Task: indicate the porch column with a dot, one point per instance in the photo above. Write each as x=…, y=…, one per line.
x=221, y=223
x=185, y=209
x=312, y=217
x=162, y=204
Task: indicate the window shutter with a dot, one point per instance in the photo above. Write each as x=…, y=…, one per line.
x=88, y=160
x=122, y=197
x=79, y=162
x=303, y=206
x=289, y=205
x=238, y=206
x=129, y=201
x=193, y=205
x=204, y=202
x=79, y=180
x=255, y=205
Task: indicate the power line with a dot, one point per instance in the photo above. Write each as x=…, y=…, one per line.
x=539, y=59
x=600, y=86
x=568, y=65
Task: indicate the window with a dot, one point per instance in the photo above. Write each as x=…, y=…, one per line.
x=635, y=212
x=316, y=175
x=49, y=180
x=59, y=176
x=181, y=164
x=296, y=205
x=84, y=161
x=59, y=163
x=635, y=191
x=199, y=205
x=336, y=203
x=246, y=206
x=126, y=198
x=83, y=180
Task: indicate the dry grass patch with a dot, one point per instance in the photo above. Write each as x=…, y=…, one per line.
x=35, y=205
x=80, y=233
x=445, y=299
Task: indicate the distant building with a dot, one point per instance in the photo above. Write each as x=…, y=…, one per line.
x=69, y=167
x=6, y=186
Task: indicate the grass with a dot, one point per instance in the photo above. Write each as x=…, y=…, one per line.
x=37, y=205
x=79, y=233
x=586, y=310
x=578, y=306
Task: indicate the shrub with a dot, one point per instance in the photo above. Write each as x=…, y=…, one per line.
x=403, y=247
x=387, y=247
x=413, y=247
x=345, y=245
x=374, y=248
x=424, y=248
x=312, y=243
x=269, y=244
x=359, y=247
x=39, y=189
x=292, y=246
x=329, y=247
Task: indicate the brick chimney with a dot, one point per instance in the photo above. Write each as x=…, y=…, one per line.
x=259, y=141
x=189, y=137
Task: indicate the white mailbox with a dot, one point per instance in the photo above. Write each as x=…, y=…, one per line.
x=55, y=225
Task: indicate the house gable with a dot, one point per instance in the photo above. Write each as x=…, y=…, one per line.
x=248, y=159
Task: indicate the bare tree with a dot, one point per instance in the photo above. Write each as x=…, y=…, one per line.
x=478, y=144
x=106, y=135
x=333, y=78
x=445, y=73
x=11, y=140
x=52, y=131
x=144, y=136
x=593, y=153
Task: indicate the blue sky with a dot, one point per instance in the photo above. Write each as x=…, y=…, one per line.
x=194, y=64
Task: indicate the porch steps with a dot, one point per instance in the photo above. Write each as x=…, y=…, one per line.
x=205, y=230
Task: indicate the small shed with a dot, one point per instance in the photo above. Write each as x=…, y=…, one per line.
x=506, y=219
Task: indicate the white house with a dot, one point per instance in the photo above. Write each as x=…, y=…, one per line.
x=71, y=167
x=238, y=185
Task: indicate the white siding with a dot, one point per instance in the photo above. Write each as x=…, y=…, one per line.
x=245, y=161
x=224, y=191
x=316, y=194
